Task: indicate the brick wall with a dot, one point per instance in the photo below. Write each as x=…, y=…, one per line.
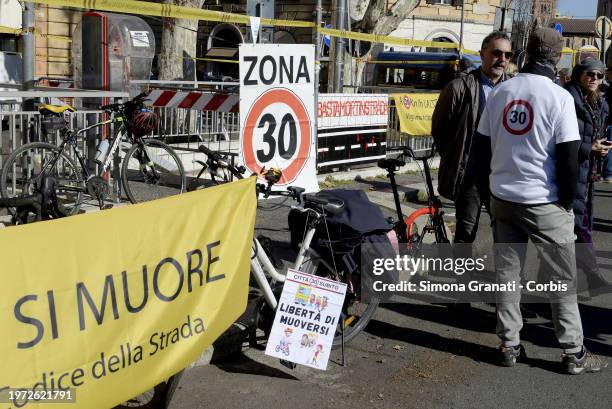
x=53, y=55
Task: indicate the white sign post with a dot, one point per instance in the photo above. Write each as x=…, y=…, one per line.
x=306, y=319
x=277, y=111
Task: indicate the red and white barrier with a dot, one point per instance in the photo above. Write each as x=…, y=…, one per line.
x=204, y=101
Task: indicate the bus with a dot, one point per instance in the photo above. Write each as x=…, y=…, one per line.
x=398, y=71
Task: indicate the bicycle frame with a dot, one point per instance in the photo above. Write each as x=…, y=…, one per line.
x=261, y=264
x=71, y=138
x=404, y=226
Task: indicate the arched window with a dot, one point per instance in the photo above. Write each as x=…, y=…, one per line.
x=440, y=39
x=222, y=44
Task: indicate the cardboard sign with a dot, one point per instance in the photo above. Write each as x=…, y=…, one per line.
x=306, y=319
x=277, y=111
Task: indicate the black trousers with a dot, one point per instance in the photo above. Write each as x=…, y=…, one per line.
x=468, y=205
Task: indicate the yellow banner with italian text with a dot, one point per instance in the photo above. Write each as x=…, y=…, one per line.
x=415, y=111
x=106, y=305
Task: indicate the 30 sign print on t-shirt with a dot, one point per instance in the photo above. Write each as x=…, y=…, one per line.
x=518, y=117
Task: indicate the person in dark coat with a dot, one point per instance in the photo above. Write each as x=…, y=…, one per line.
x=592, y=113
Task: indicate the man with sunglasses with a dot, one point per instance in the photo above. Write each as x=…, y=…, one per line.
x=454, y=122
x=530, y=130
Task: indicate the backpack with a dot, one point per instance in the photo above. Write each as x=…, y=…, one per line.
x=357, y=236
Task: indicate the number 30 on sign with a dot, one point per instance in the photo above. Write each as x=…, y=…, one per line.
x=277, y=111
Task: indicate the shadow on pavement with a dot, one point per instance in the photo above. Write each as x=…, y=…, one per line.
x=433, y=341
x=595, y=322
x=244, y=365
x=478, y=320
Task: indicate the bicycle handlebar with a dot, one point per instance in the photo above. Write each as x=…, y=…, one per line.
x=408, y=151
x=137, y=101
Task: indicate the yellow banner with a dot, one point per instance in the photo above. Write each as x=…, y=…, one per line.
x=415, y=111
x=112, y=303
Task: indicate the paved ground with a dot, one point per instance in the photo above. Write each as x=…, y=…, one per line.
x=417, y=356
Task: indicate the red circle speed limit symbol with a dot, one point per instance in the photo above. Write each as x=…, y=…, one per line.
x=277, y=131
x=518, y=117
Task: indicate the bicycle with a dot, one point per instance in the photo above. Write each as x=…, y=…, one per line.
x=42, y=204
x=150, y=169
x=220, y=167
x=406, y=229
x=356, y=313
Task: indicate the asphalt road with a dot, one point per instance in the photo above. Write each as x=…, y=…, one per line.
x=419, y=355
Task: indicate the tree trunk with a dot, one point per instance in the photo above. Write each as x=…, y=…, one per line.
x=178, y=46
x=376, y=20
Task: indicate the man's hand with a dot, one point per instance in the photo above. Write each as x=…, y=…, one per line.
x=600, y=148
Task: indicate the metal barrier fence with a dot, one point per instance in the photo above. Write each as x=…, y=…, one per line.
x=186, y=126
x=183, y=129
x=21, y=127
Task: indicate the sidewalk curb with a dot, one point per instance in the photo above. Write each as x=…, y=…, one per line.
x=373, y=171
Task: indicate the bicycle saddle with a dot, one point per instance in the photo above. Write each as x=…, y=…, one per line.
x=390, y=164
x=331, y=205
x=47, y=109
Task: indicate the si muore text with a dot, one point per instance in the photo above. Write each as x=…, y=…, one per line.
x=194, y=269
x=267, y=70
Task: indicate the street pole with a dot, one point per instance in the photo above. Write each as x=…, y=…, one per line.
x=29, y=49
x=339, y=49
x=317, y=42
x=317, y=71
x=461, y=28
x=604, y=33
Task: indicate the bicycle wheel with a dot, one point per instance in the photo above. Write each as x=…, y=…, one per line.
x=151, y=170
x=21, y=169
x=356, y=312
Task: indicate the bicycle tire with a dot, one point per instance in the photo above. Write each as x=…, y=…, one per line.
x=66, y=172
x=160, y=177
x=352, y=330
x=355, y=321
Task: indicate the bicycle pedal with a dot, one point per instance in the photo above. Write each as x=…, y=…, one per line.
x=106, y=207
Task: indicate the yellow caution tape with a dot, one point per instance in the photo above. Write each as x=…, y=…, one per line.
x=10, y=30
x=173, y=11
x=413, y=62
x=19, y=31
x=213, y=60
x=374, y=38
x=168, y=10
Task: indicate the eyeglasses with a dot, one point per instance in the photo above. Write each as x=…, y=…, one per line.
x=499, y=53
x=594, y=75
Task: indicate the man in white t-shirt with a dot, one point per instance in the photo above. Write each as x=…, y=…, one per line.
x=534, y=140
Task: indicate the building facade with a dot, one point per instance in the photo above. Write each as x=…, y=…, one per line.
x=432, y=20
x=440, y=20
x=543, y=12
